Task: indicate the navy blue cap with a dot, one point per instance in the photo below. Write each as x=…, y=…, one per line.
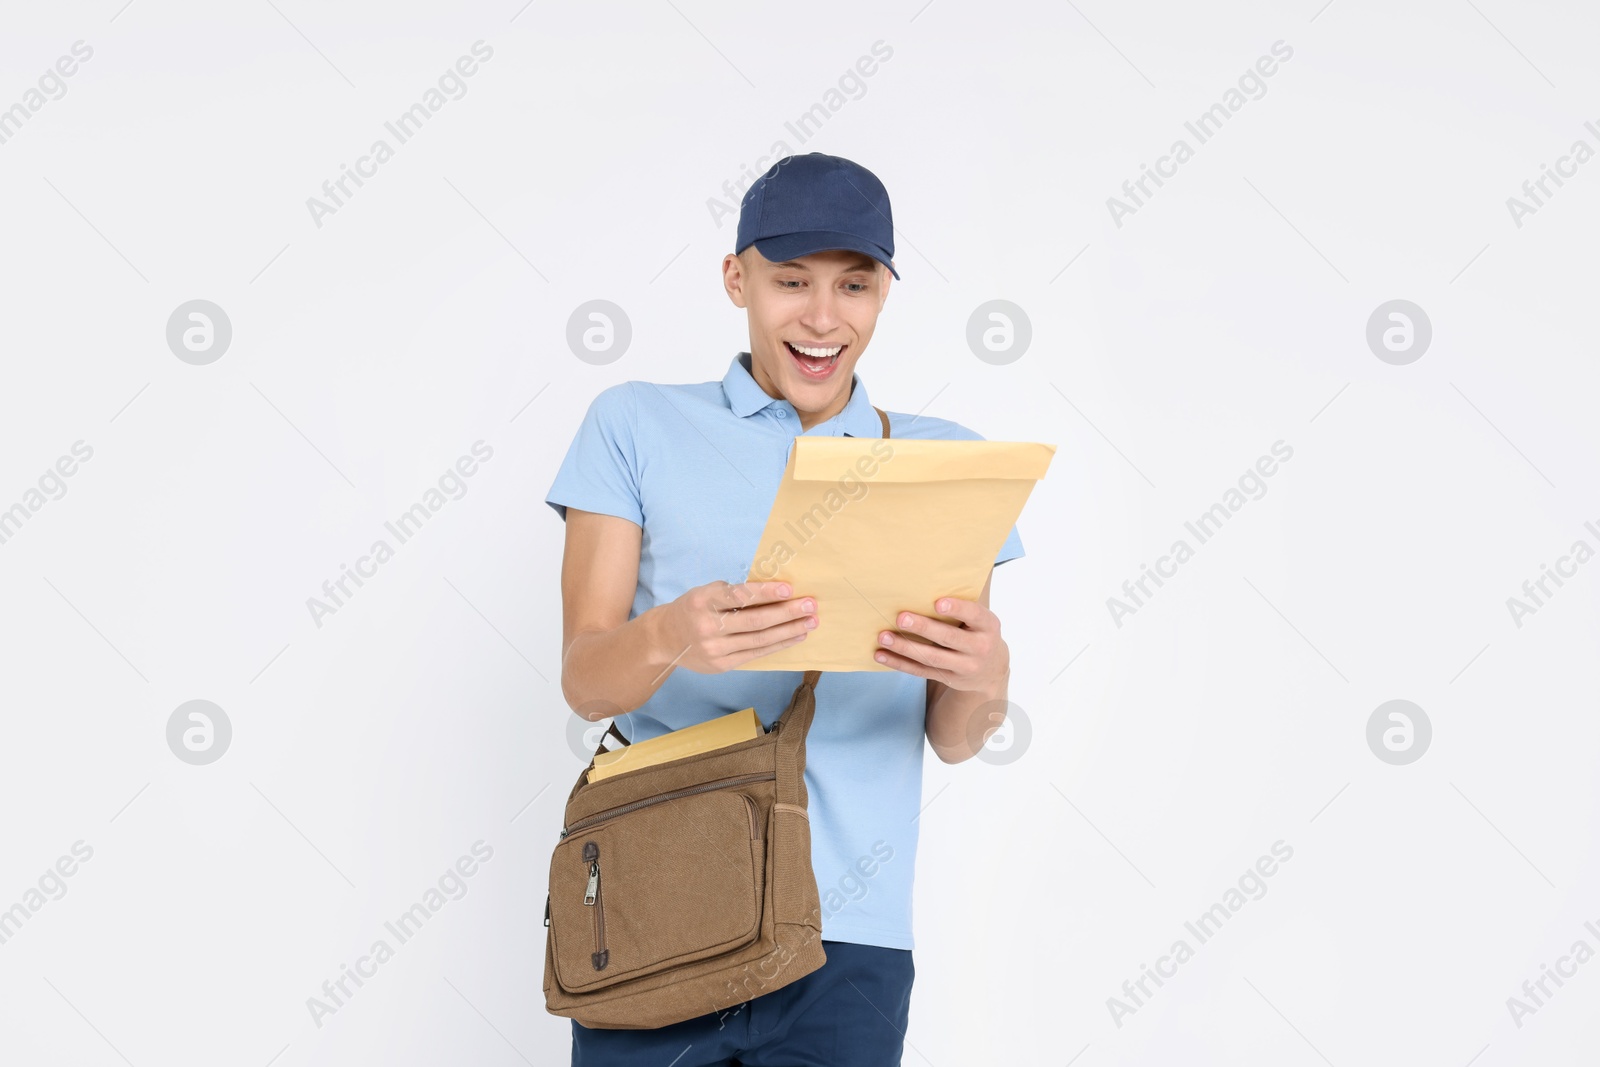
x=815, y=203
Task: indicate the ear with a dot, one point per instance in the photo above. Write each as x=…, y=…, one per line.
x=883, y=290
x=733, y=279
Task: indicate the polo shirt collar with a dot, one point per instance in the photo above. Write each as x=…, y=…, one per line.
x=746, y=397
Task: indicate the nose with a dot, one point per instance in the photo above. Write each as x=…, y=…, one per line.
x=821, y=313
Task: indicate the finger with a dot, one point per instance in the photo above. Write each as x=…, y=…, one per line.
x=733, y=659
x=924, y=652
x=970, y=612
x=765, y=616
x=940, y=633
x=909, y=666
x=772, y=635
x=750, y=594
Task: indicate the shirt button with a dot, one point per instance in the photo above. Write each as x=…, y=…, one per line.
x=783, y=413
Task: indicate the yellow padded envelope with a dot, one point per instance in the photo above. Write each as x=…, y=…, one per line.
x=719, y=732
x=871, y=527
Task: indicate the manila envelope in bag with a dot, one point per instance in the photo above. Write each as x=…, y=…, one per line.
x=872, y=526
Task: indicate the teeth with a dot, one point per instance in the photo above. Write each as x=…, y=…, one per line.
x=818, y=353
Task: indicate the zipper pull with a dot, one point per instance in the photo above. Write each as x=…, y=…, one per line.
x=594, y=883
x=547, y=909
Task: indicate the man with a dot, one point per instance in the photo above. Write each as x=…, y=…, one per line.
x=665, y=493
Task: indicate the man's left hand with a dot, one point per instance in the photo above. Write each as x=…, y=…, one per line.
x=969, y=656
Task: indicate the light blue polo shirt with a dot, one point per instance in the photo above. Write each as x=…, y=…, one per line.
x=697, y=467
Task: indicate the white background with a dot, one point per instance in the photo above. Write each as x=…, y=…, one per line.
x=1167, y=354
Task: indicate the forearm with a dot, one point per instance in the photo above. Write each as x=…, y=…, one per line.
x=610, y=672
x=960, y=720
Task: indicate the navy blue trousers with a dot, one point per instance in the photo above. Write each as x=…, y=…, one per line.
x=850, y=1012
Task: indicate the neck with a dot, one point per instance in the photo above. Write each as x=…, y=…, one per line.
x=808, y=419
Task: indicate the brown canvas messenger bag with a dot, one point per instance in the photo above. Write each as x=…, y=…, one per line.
x=685, y=888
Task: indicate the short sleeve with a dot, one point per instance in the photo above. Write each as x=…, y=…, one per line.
x=601, y=471
x=1012, y=549
x=954, y=431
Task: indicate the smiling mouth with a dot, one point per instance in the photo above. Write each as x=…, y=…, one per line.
x=816, y=366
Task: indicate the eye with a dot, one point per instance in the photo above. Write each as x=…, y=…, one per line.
x=860, y=287
x=783, y=283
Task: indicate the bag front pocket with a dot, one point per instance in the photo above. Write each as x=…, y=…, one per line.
x=661, y=884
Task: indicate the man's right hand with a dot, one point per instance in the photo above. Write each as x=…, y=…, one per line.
x=716, y=627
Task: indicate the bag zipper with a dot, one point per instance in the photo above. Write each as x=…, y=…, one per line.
x=703, y=787
x=591, y=898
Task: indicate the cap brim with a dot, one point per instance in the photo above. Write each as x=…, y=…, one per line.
x=794, y=245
